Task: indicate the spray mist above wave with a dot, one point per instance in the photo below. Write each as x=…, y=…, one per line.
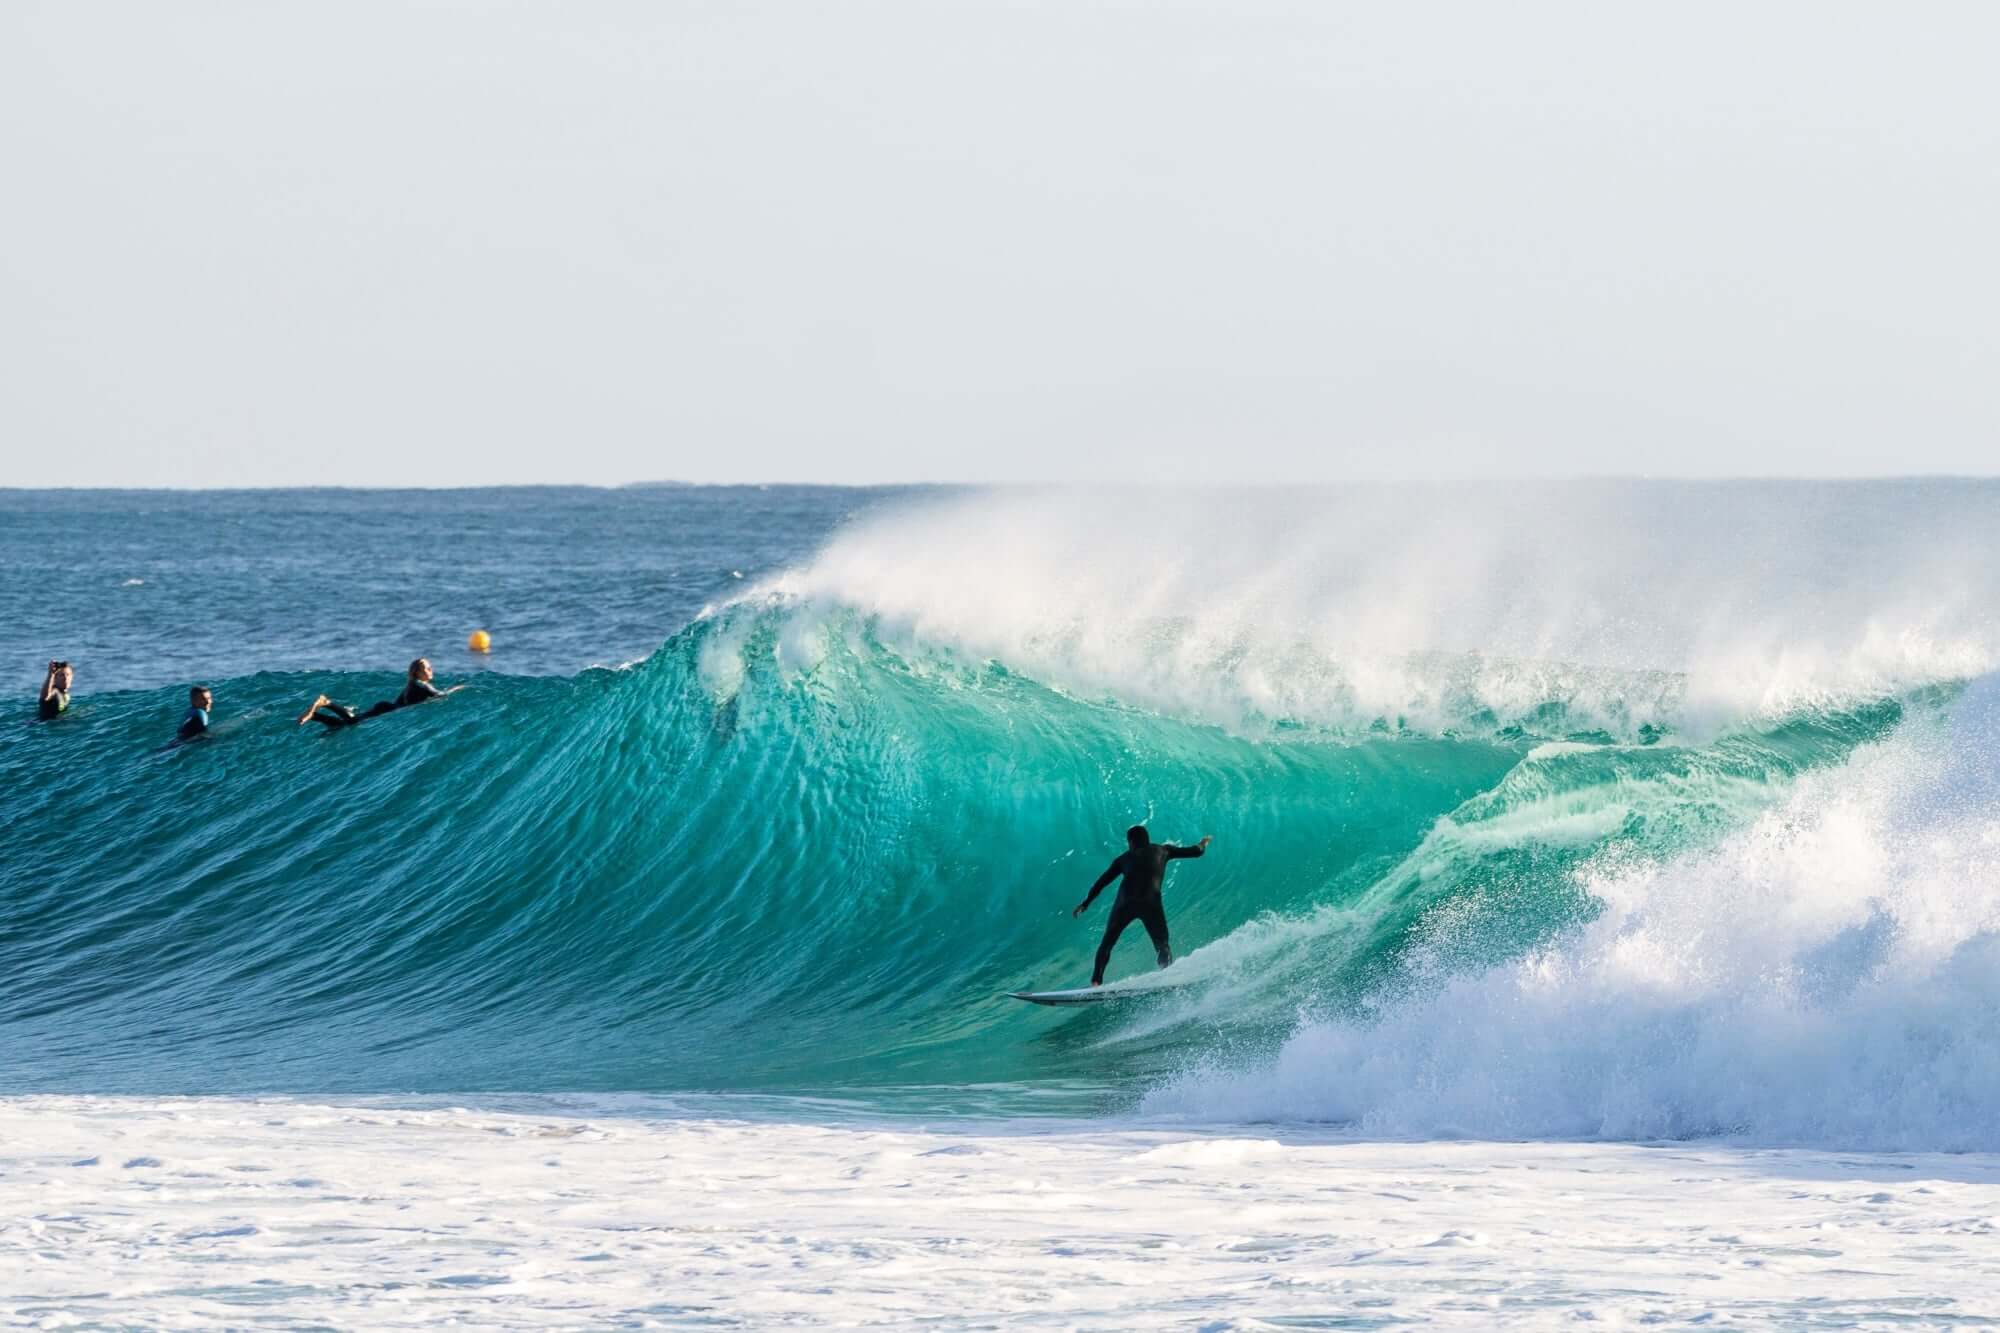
x=1558, y=607
x=1829, y=974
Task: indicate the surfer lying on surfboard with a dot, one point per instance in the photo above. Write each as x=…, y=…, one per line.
x=417, y=689
x=1143, y=863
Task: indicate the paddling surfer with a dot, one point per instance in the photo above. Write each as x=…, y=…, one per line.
x=417, y=689
x=1143, y=863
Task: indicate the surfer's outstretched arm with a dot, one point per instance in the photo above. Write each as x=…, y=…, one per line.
x=1116, y=869
x=1175, y=853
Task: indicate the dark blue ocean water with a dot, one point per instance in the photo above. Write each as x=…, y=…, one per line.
x=139, y=589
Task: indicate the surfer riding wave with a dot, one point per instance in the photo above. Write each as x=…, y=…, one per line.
x=1143, y=864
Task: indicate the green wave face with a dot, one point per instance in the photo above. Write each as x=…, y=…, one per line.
x=722, y=869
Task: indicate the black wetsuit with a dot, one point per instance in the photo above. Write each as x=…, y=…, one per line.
x=52, y=707
x=1138, y=899
x=340, y=715
x=193, y=725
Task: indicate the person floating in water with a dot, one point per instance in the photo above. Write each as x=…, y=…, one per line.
x=416, y=690
x=196, y=722
x=54, y=698
x=1143, y=863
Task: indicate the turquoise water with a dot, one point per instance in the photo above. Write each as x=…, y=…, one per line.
x=797, y=846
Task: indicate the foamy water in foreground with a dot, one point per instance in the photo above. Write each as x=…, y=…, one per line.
x=230, y=1213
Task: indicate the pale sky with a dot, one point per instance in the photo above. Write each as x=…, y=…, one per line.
x=463, y=243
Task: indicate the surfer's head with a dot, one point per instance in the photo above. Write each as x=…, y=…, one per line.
x=420, y=669
x=199, y=697
x=1136, y=836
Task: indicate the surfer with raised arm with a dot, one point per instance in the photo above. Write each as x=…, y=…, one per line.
x=54, y=698
x=1143, y=863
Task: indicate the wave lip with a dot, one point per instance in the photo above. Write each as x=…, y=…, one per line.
x=1612, y=607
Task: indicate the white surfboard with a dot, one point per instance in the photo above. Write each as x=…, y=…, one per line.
x=1087, y=994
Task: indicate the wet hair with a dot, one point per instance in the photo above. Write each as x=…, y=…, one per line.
x=417, y=666
x=195, y=692
x=1137, y=835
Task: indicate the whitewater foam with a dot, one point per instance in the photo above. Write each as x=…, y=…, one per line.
x=1827, y=975
x=225, y=1214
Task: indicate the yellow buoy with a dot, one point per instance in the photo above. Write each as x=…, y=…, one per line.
x=480, y=642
